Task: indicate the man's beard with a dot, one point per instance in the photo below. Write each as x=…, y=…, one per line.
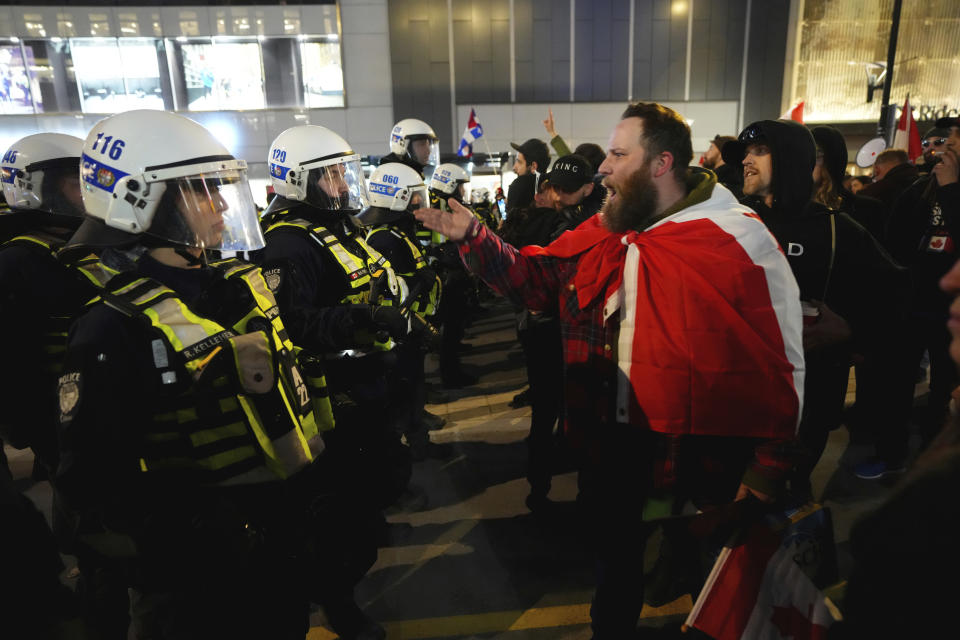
x=709, y=164
x=635, y=202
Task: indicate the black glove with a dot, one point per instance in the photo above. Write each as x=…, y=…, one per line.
x=390, y=320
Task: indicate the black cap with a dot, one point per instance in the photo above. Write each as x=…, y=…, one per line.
x=534, y=150
x=719, y=141
x=569, y=173
x=936, y=132
x=946, y=123
x=734, y=151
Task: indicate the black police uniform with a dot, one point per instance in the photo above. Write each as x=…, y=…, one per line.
x=458, y=291
x=182, y=410
x=39, y=295
x=328, y=283
x=396, y=240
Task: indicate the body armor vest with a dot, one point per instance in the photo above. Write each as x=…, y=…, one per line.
x=371, y=278
x=54, y=335
x=236, y=405
x=425, y=303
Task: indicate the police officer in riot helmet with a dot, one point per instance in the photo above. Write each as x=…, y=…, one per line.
x=413, y=143
x=396, y=191
x=41, y=209
x=340, y=299
x=188, y=435
x=40, y=177
x=449, y=182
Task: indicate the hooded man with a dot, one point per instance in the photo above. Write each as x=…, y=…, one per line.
x=847, y=281
x=828, y=174
x=672, y=266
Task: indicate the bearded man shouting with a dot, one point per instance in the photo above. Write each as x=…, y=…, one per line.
x=682, y=345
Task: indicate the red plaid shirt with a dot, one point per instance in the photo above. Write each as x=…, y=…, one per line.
x=546, y=283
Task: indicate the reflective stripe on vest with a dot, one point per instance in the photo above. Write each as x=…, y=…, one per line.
x=425, y=304
x=54, y=336
x=215, y=425
x=362, y=272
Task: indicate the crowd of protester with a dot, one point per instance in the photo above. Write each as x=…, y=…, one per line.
x=689, y=334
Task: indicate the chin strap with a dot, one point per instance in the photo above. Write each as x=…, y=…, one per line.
x=191, y=259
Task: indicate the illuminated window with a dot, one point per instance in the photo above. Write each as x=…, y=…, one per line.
x=108, y=87
x=15, y=84
x=222, y=75
x=841, y=41
x=322, y=74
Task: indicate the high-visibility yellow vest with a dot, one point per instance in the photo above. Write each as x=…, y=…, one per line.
x=425, y=304
x=371, y=278
x=245, y=408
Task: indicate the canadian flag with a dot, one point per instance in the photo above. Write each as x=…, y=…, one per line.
x=757, y=591
x=794, y=113
x=908, y=136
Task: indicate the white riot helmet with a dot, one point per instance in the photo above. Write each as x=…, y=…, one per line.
x=480, y=195
x=448, y=180
x=314, y=165
x=163, y=175
x=395, y=191
x=41, y=173
x=409, y=131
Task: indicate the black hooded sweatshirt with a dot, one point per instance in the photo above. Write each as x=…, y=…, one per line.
x=869, y=212
x=864, y=286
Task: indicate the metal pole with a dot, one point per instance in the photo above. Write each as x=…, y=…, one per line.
x=884, y=124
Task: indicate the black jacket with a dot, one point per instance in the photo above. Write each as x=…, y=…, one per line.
x=307, y=281
x=922, y=235
x=521, y=192
x=407, y=160
x=865, y=286
x=892, y=186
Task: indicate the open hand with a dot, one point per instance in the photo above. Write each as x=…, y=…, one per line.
x=455, y=224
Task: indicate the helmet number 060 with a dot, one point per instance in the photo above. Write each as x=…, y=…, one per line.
x=114, y=151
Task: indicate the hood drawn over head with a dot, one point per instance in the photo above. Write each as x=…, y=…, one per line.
x=794, y=154
x=835, y=156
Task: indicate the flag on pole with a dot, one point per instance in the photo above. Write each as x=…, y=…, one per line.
x=794, y=113
x=757, y=590
x=907, y=136
x=471, y=134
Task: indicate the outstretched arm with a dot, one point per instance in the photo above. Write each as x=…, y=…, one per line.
x=530, y=281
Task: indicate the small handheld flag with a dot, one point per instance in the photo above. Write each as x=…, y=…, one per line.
x=471, y=134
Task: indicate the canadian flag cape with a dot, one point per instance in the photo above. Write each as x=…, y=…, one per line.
x=710, y=322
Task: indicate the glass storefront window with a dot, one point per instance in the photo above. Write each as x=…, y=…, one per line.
x=322, y=74
x=222, y=75
x=838, y=40
x=115, y=76
x=16, y=92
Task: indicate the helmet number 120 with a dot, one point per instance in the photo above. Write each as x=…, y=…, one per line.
x=114, y=151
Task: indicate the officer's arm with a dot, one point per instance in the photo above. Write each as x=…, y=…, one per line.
x=100, y=405
x=529, y=281
x=296, y=273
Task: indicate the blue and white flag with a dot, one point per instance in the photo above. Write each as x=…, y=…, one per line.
x=471, y=133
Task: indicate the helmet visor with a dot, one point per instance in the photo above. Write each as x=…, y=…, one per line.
x=338, y=187
x=209, y=211
x=419, y=198
x=50, y=187
x=424, y=150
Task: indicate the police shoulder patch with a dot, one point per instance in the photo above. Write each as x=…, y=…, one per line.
x=274, y=278
x=69, y=386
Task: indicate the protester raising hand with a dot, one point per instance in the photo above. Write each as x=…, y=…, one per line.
x=454, y=224
x=549, y=125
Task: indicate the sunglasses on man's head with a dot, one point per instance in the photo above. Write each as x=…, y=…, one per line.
x=936, y=142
